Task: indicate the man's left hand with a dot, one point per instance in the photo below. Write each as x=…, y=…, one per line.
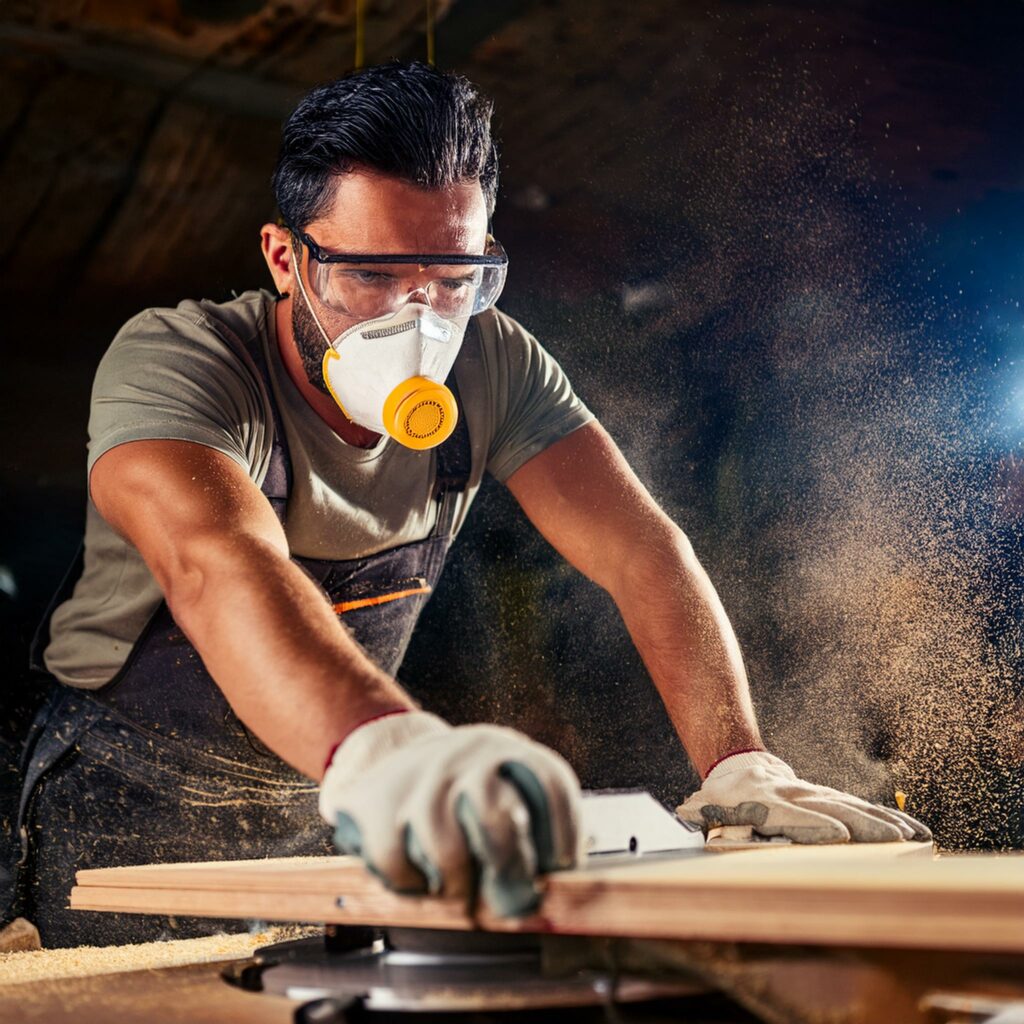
x=762, y=791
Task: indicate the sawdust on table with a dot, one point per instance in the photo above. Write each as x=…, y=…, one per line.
x=84, y=961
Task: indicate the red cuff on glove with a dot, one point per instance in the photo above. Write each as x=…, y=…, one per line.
x=365, y=721
x=724, y=757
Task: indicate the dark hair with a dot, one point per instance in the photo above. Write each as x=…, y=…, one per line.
x=403, y=118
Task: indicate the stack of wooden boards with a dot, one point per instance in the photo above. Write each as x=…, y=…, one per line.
x=892, y=895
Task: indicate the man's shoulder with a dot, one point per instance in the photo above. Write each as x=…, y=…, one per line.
x=188, y=373
x=496, y=327
x=237, y=322
x=196, y=352
x=503, y=346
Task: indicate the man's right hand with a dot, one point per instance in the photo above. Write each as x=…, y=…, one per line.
x=453, y=810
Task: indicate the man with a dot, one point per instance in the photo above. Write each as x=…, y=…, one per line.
x=270, y=508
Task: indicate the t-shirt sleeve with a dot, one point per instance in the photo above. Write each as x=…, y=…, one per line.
x=534, y=403
x=169, y=376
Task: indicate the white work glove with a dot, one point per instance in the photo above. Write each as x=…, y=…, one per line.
x=762, y=791
x=457, y=811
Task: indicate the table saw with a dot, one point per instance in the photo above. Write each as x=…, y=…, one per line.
x=658, y=924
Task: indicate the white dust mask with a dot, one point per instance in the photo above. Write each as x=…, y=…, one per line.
x=388, y=374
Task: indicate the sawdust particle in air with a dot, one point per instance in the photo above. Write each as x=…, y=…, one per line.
x=796, y=399
x=850, y=506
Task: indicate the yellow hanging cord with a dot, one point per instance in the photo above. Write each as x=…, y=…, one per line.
x=430, y=32
x=360, y=34
x=360, y=57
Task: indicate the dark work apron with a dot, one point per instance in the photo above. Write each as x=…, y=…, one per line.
x=156, y=767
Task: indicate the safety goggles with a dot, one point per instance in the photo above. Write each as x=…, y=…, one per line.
x=364, y=286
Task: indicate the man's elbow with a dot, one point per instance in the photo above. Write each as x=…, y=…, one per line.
x=648, y=560
x=197, y=570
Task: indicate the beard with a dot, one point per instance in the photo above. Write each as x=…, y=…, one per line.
x=310, y=344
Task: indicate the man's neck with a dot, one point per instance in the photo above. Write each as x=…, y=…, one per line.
x=323, y=405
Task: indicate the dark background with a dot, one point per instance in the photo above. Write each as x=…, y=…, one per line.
x=778, y=248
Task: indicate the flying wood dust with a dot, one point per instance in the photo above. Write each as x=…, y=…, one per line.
x=765, y=350
x=803, y=409
x=851, y=480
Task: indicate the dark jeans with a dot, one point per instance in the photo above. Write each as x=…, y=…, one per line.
x=100, y=791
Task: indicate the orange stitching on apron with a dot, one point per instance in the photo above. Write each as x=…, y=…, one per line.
x=365, y=602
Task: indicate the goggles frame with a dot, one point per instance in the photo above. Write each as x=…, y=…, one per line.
x=423, y=260
x=496, y=261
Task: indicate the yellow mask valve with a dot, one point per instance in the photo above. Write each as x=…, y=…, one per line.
x=420, y=413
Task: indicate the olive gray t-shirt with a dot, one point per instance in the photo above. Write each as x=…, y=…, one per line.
x=184, y=374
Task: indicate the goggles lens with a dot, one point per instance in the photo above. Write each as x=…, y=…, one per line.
x=367, y=287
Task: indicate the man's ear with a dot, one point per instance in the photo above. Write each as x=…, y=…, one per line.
x=276, y=243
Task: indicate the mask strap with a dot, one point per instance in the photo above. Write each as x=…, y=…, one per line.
x=305, y=297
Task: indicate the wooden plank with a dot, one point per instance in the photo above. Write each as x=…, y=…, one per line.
x=366, y=904
x=880, y=895
x=290, y=874
x=958, y=920
x=280, y=874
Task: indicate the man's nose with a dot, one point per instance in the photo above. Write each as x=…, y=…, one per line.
x=419, y=295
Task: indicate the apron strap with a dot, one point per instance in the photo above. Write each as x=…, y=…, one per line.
x=277, y=484
x=454, y=462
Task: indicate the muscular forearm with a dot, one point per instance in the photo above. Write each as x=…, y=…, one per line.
x=276, y=649
x=686, y=640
